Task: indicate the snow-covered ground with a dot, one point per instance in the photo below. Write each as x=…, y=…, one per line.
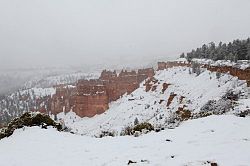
x=223, y=139
x=152, y=106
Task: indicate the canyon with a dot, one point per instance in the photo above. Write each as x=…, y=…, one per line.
x=91, y=97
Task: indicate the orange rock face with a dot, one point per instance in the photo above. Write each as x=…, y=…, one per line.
x=162, y=65
x=165, y=87
x=241, y=74
x=91, y=97
x=170, y=99
x=149, y=84
x=61, y=100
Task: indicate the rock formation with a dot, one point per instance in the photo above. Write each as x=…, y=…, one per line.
x=242, y=74
x=91, y=97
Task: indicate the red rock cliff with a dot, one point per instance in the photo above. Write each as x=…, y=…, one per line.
x=91, y=97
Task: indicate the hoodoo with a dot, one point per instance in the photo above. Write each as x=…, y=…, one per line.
x=91, y=97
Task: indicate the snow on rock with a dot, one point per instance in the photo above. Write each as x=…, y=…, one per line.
x=181, y=60
x=243, y=105
x=203, y=61
x=191, y=91
x=223, y=139
x=69, y=117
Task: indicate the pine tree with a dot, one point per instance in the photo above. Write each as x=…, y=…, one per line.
x=248, y=51
x=238, y=49
x=55, y=117
x=218, y=75
x=182, y=55
x=136, y=122
x=196, y=68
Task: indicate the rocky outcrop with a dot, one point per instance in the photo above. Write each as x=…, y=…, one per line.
x=136, y=130
x=91, y=97
x=181, y=99
x=170, y=99
x=242, y=74
x=164, y=87
x=150, y=84
x=183, y=114
x=234, y=71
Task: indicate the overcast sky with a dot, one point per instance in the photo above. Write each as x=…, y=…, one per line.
x=78, y=32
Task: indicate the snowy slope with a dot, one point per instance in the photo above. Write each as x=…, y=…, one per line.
x=222, y=139
x=152, y=106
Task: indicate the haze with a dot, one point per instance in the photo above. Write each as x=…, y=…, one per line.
x=80, y=32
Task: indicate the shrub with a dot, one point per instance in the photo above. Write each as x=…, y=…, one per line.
x=132, y=130
x=29, y=119
x=196, y=68
x=107, y=133
x=183, y=114
x=136, y=121
x=143, y=126
x=128, y=130
x=217, y=107
x=172, y=118
x=218, y=75
x=243, y=113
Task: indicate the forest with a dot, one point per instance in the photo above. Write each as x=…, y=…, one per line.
x=233, y=51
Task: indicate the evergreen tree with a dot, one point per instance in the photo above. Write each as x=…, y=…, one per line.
x=182, y=55
x=136, y=122
x=55, y=117
x=248, y=51
x=238, y=49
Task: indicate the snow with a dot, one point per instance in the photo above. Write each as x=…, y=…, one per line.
x=181, y=60
x=223, y=139
x=243, y=105
x=203, y=61
x=69, y=117
x=241, y=64
x=146, y=106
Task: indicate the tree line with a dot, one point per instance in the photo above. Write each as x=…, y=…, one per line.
x=233, y=51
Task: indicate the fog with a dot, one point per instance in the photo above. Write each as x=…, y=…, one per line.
x=79, y=32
